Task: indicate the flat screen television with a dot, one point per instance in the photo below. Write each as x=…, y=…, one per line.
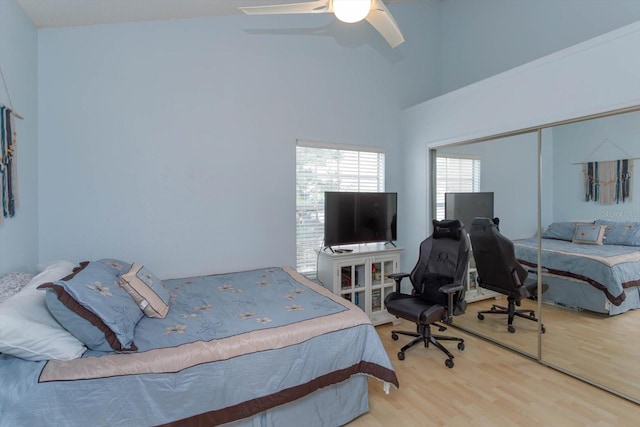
x=359, y=217
x=466, y=206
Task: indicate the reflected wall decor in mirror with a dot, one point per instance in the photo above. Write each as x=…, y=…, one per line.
x=571, y=189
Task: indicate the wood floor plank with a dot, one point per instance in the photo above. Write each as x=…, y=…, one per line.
x=488, y=386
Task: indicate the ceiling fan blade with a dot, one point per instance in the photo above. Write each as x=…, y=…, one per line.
x=319, y=6
x=381, y=19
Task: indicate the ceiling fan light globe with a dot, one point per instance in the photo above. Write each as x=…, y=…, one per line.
x=350, y=11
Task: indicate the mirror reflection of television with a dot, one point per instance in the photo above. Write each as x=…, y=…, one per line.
x=466, y=206
x=359, y=217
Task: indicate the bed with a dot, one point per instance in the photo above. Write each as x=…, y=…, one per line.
x=265, y=347
x=588, y=266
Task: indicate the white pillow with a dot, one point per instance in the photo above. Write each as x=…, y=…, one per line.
x=28, y=330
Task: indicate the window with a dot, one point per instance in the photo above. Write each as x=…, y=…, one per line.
x=454, y=174
x=324, y=167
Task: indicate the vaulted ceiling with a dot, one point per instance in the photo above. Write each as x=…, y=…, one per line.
x=68, y=13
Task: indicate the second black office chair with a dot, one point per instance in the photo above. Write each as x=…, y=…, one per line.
x=500, y=271
x=438, y=281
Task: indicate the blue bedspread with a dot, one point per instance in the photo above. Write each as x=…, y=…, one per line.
x=609, y=268
x=231, y=346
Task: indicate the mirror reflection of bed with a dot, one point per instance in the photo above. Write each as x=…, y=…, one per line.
x=594, y=339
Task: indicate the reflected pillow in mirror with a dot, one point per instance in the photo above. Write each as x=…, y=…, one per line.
x=560, y=231
x=621, y=233
x=589, y=234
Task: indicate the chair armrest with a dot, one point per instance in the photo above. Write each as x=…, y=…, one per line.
x=397, y=277
x=451, y=288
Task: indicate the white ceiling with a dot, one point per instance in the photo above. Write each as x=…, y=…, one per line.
x=68, y=13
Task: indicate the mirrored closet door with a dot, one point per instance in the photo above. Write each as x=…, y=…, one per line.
x=550, y=183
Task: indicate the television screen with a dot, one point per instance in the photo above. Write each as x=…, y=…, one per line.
x=357, y=217
x=466, y=206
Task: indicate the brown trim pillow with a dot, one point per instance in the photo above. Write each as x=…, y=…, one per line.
x=92, y=306
x=147, y=291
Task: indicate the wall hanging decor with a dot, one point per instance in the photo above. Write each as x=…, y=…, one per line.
x=8, y=161
x=608, y=182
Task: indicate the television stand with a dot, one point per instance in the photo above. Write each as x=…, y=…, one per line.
x=360, y=274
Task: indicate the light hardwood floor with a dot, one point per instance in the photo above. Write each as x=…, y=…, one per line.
x=602, y=348
x=488, y=386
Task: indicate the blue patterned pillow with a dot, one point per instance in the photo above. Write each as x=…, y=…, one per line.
x=589, y=234
x=560, y=231
x=621, y=233
x=116, y=266
x=94, y=308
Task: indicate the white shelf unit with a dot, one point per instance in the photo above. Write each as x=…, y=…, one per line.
x=362, y=277
x=474, y=292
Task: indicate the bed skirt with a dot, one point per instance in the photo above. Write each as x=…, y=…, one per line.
x=576, y=294
x=347, y=400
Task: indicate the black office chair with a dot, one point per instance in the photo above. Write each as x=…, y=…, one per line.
x=438, y=281
x=499, y=271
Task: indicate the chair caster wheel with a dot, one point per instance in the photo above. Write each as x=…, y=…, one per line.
x=493, y=309
x=449, y=363
x=401, y=356
x=543, y=329
x=511, y=329
x=394, y=337
x=460, y=346
x=480, y=316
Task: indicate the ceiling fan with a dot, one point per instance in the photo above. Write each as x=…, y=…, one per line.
x=374, y=11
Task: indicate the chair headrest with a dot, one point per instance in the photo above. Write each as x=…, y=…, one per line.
x=447, y=229
x=482, y=222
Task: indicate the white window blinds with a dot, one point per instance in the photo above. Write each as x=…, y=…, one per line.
x=324, y=167
x=455, y=175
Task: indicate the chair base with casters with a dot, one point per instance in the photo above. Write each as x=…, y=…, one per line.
x=512, y=312
x=425, y=336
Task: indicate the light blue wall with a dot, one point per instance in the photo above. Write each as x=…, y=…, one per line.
x=483, y=38
x=610, y=138
x=173, y=143
x=190, y=125
x=18, y=60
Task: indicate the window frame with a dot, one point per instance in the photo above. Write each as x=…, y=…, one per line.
x=365, y=177
x=474, y=178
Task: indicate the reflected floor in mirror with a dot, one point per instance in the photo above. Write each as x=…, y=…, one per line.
x=494, y=326
x=602, y=348
x=488, y=386
x=598, y=347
